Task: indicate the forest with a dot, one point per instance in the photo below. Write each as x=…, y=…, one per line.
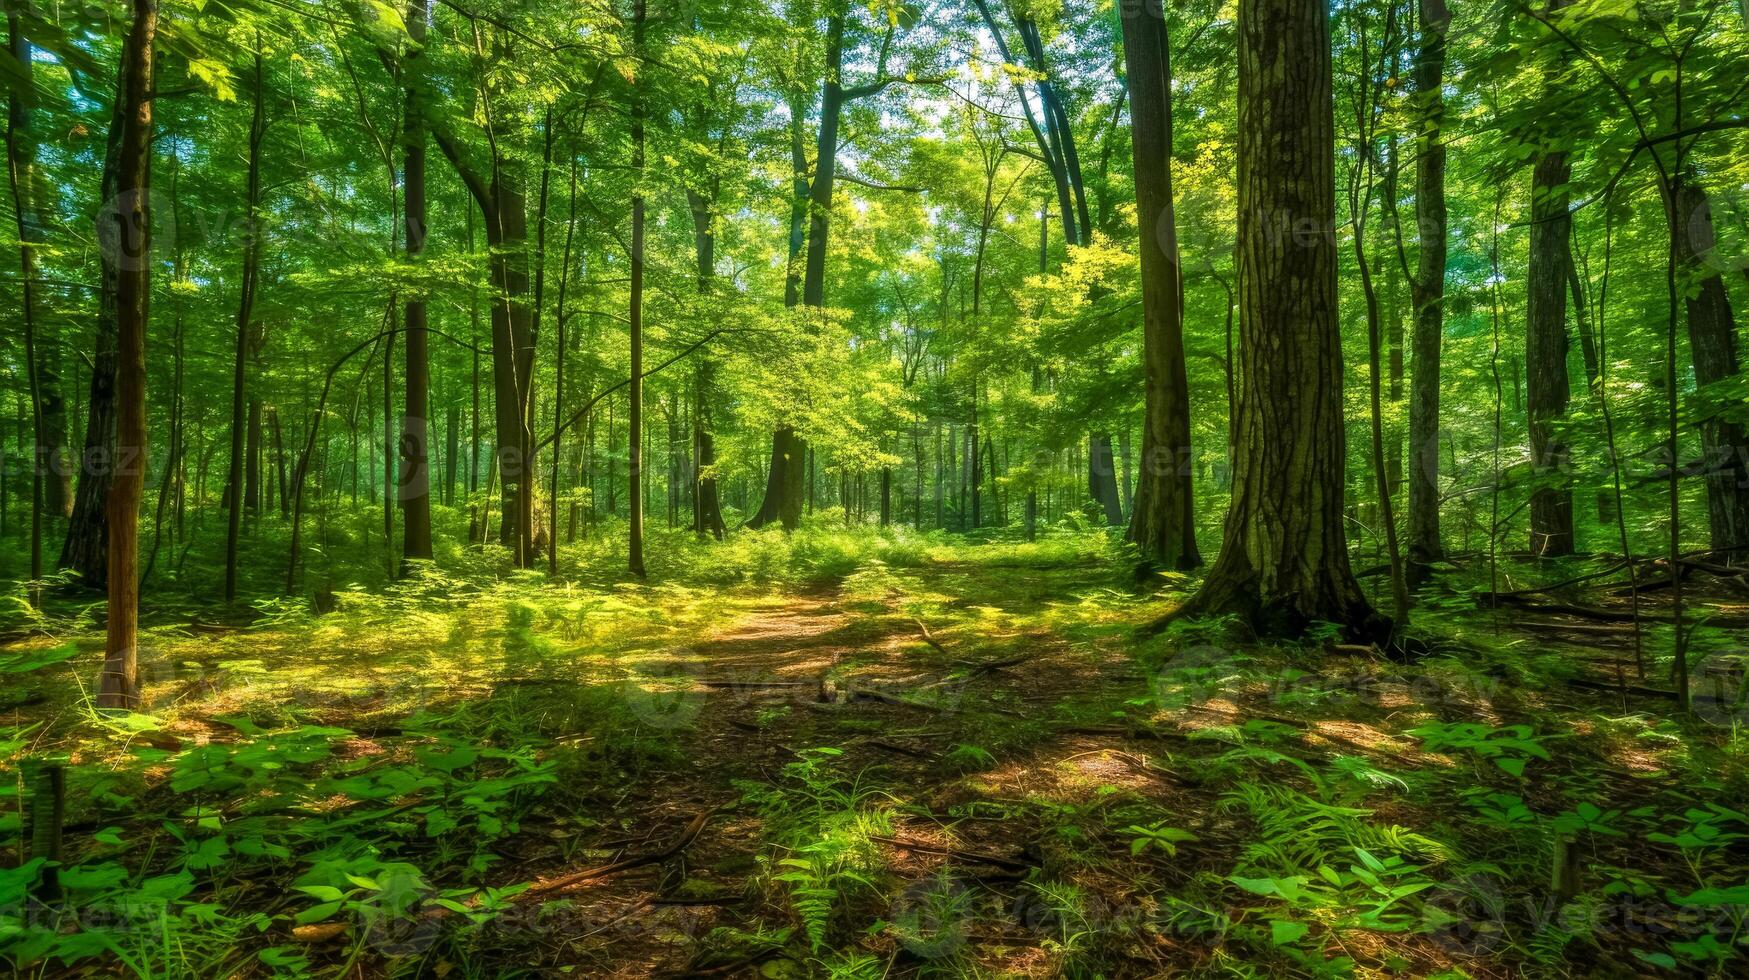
x=874, y=488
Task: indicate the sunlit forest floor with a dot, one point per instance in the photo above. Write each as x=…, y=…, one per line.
x=862, y=754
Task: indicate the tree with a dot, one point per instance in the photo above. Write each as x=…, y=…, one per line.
x=1163, y=519
x=1284, y=564
x=245, y=420
x=635, y=397
x=1427, y=293
x=119, y=686
x=19, y=157
x=415, y=490
x=1545, y=350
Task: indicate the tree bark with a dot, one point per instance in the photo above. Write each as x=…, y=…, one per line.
x=1284, y=563
x=415, y=475
x=244, y=326
x=1547, y=390
x=1712, y=340
x=86, y=548
x=503, y=201
x=18, y=159
x=1102, y=478
x=1162, y=517
x=635, y=396
x=119, y=685
x=1427, y=294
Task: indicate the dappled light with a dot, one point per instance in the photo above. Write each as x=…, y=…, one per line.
x=929, y=489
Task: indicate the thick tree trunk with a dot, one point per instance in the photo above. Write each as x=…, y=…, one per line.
x=1427, y=293
x=1163, y=517
x=1545, y=353
x=119, y=685
x=1284, y=562
x=415, y=474
x=86, y=548
x=503, y=202
x=785, y=442
x=1712, y=339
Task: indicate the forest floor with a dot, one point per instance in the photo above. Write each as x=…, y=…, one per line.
x=880, y=758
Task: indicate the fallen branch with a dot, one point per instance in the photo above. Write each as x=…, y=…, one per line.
x=740, y=685
x=991, y=666
x=903, y=749
x=1647, y=692
x=929, y=637
x=974, y=857
x=680, y=843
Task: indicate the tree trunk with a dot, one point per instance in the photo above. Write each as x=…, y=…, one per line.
x=119, y=685
x=245, y=314
x=252, y=460
x=1545, y=355
x=783, y=497
x=51, y=434
x=1284, y=561
x=415, y=475
x=635, y=396
x=86, y=548
x=707, y=511
x=1162, y=517
x=18, y=159
x=1427, y=294
x=1102, y=478
x=1712, y=339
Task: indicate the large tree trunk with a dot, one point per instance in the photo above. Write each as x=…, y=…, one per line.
x=86, y=548
x=119, y=686
x=1284, y=561
x=786, y=486
x=244, y=327
x=503, y=202
x=1162, y=519
x=415, y=473
x=1545, y=354
x=1427, y=293
x=1712, y=339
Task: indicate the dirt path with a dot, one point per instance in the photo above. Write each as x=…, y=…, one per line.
x=798, y=673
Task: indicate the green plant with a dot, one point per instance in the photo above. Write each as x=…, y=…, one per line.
x=1157, y=836
x=1510, y=747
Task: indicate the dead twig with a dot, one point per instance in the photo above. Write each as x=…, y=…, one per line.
x=974, y=857
x=680, y=843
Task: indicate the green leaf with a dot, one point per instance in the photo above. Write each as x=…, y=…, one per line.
x=1282, y=932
